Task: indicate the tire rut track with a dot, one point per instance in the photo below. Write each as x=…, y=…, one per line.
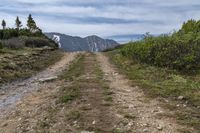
x=131, y=100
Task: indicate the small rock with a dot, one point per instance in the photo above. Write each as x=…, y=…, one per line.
x=184, y=105
x=116, y=74
x=47, y=79
x=4, y=124
x=130, y=123
x=160, y=128
x=180, y=98
x=166, y=100
x=2, y=93
x=86, y=132
x=145, y=130
x=146, y=125
x=94, y=122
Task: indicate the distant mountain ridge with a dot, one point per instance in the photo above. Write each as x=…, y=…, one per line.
x=91, y=43
x=127, y=38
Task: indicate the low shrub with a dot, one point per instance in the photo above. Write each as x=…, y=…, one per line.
x=180, y=50
x=1, y=45
x=37, y=42
x=8, y=33
x=13, y=43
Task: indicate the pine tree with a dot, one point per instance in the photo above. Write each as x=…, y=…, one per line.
x=18, y=23
x=31, y=23
x=3, y=24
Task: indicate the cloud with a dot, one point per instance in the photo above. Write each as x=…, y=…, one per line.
x=103, y=17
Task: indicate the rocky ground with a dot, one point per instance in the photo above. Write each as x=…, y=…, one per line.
x=82, y=93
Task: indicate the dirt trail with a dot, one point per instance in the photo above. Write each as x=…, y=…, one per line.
x=95, y=115
x=13, y=92
x=90, y=111
x=149, y=116
x=97, y=99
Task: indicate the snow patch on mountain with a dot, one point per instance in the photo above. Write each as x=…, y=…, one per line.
x=56, y=38
x=90, y=43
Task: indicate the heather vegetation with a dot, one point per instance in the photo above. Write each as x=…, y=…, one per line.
x=179, y=50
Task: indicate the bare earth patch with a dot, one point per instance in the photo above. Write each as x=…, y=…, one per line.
x=131, y=102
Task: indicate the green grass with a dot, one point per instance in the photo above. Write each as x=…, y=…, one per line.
x=108, y=99
x=73, y=115
x=70, y=93
x=165, y=83
x=23, y=63
x=75, y=69
x=72, y=74
x=158, y=81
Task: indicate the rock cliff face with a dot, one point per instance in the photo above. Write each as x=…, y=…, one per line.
x=90, y=43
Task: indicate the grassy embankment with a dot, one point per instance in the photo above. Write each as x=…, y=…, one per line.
x=22, y=63
x=167, y=67
x=24, y=51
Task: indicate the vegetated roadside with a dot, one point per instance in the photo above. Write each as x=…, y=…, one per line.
x=24, y=51
x=23, y=63
x=24, y=103
x=167, y=67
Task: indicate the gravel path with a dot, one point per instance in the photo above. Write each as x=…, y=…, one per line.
x=13, y=92
x=149, y=116
x=32, y=105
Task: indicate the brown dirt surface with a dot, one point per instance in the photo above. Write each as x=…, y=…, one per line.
x=20, y=99
x=87, y=95
x=130, y=101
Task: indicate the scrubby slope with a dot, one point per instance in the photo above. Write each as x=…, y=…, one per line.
x=167, y=67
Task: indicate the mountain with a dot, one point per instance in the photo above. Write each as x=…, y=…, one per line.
x=90, y=43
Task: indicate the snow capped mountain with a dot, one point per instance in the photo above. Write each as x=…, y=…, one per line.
x=90, y=43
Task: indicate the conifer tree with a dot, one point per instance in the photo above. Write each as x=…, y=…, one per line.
x=3, y=24
x=18, y=23
x=31, y=23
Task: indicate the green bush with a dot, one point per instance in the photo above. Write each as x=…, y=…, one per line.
x=1, y=45
x=13, y=43
x=180, y=51
x=8, y=33
x=37, y=42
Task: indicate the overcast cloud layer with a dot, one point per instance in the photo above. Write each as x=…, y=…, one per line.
x=102, y=17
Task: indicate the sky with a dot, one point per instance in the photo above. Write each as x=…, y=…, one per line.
x=119, y=19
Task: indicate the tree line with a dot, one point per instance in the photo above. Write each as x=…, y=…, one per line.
x=31, y=30
x=31, y=24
